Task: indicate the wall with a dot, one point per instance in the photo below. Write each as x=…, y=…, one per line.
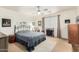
x=38, y=18
x=66, y=14
x=15, y=19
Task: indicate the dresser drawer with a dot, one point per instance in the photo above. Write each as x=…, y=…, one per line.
x=4, y=44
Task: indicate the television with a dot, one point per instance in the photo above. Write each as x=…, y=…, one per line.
x=67, y=21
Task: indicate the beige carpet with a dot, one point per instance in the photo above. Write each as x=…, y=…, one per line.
x=49, y=45
x=62, y=46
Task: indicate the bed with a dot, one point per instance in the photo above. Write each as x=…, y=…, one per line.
x=28, y=38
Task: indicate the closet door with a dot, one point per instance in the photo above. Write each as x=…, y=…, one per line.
x=51, y=22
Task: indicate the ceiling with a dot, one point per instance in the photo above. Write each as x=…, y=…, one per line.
x=32, y=10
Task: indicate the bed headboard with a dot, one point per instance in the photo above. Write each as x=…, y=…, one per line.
x=21, y=27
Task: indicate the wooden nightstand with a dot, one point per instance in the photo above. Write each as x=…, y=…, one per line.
x=12, y=39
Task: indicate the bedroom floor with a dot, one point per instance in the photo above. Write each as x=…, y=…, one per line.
x=49, y=45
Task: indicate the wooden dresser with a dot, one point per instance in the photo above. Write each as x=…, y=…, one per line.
x=73, y=36
x=73, y=33
x=3, y=43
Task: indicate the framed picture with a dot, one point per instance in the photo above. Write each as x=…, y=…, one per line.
x=6, y=22
x=67, y=21
x=39, y=23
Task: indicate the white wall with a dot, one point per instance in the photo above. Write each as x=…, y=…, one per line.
x=15, y=19
x=66, y=14
x=38, y=18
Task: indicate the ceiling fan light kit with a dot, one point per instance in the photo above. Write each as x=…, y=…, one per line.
x=40, y=10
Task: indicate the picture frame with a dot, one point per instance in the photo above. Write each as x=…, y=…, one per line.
x=39, y=23
x=6, y=22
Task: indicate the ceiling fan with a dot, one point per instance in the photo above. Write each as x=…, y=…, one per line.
x=38, y=7
x=39, y=10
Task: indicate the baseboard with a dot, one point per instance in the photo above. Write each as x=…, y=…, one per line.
x=64, y=38
x=57, y=37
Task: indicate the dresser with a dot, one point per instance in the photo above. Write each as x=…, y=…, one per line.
x=73, y=33
x=73, y=36
x=3, y=43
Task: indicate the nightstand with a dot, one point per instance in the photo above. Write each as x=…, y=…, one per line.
x=12, y=39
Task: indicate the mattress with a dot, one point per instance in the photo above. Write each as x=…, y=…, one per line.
x=30, y=38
